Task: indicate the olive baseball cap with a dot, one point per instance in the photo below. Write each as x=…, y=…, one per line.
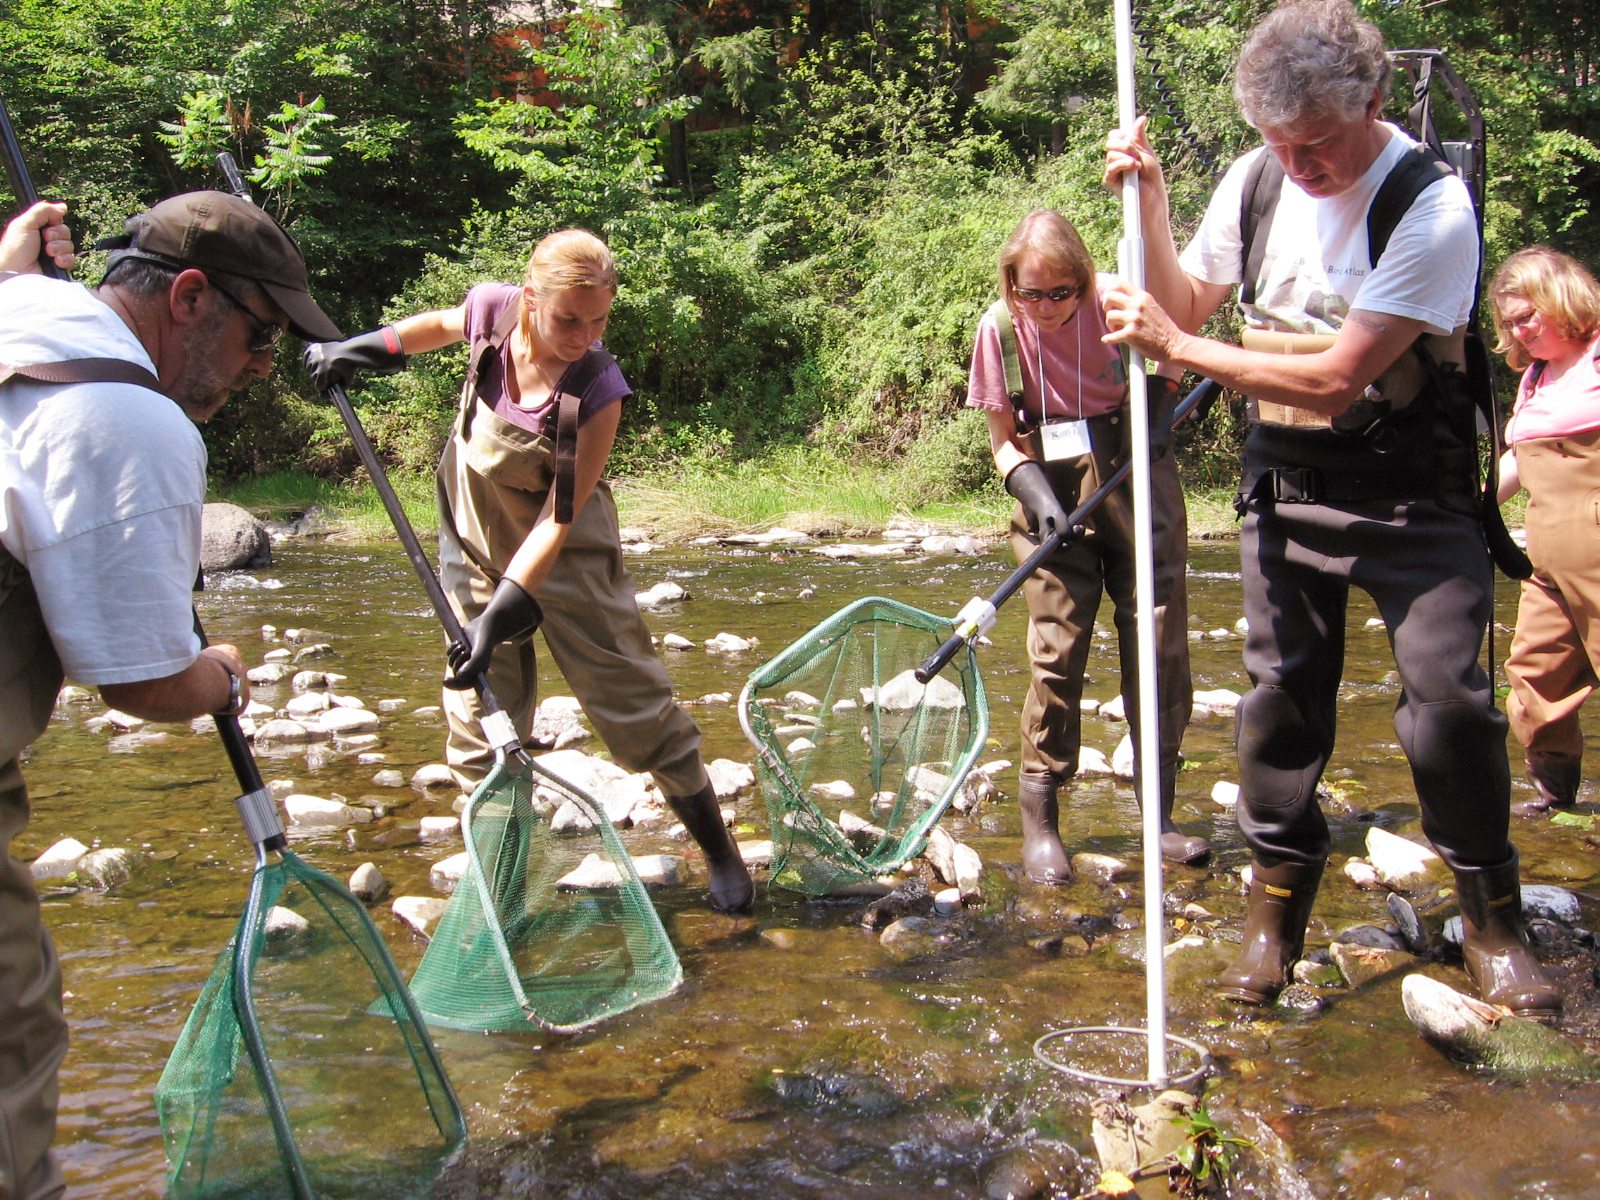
x=218, y=232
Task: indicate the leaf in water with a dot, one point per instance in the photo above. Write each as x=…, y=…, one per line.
x=1574, y=820
x=1115, y=1183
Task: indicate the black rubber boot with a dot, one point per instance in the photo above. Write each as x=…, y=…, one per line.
x=732, y=890
x=1274, y=932
x=1555, y=779
x=1176, y=845
x=1044, y=858
x=1494, y=943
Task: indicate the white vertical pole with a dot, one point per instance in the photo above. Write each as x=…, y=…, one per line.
x=1130, y=264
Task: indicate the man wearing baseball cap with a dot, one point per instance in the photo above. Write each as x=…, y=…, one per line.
x=102, y=482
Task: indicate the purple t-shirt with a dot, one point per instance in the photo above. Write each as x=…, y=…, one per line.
x=1082, y=377
x=486, y=304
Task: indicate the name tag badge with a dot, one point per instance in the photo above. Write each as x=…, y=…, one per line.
x=1065, y=439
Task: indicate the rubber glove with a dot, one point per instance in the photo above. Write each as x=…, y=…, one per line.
x=377, y=351
x=510, y=613
x=1031, y=486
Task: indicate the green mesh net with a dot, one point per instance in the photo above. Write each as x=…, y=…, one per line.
x=304, y=1070
x=550, y=924
x=839, y=719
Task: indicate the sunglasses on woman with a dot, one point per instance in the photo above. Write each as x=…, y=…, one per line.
x=1055, y=295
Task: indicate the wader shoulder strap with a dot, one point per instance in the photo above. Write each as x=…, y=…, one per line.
x=481, y=353
x=1258, y=202
x=1009, y=360
x=574, y=383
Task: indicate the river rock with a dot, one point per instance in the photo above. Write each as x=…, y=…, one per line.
x=1552, y=903
x=1218, y=700
x=1127, y=1137
x=730, y=778
x=306, y=704
x=1361, y=964
x=756, y=855
x=1113, y=709
x=347, y=724
x=1483, y=1035
x=956, y=863
x=834, y=791
x=728, y=643
x=930, y=785
x=272, y=672
x=108, y=868
x=903, y=693
x=447, y=872
x=845, y=550
x=278, y=655
x=558, y=723
x=799, y=746
x=947, y=902
x=676, y=641
x=231, y=539
x=438, y=829
x=1412, y=930
x=913, y=936
x=617, y=791
x=285, y=932
x=1093, y=762
x=1122, y=758
x=1363, y=874
x=1101, y=868
x=433, y=775
x=284, y=732
x=662, y=594
x=314, y=651
x=1403, y=865
x=389, y=777
x=910, y=899
x=392, y=704
x=1225, y=793
x=421, y=913
x=59, y=860
x=1370, y=936
x=315, y=812
x=943, y=543
x=367, y=883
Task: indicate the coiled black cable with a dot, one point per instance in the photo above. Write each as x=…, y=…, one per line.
x=1169, y=98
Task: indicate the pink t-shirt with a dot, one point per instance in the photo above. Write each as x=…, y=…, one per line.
x=486, y=303
x=1569, y=405
x=1083, y=377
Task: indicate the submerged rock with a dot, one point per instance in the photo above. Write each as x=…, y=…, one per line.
x=108, y=868
x=1128, y=1137
x=863, y=1095
x=1489, y=1037
x=421, y=913
x=59, y=861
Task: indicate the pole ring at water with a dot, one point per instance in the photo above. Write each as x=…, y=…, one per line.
x=1179, y=1080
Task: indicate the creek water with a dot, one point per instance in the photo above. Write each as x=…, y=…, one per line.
x=812, y=1064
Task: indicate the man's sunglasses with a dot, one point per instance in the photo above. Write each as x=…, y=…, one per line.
x=264, y=335
x=1056, y=295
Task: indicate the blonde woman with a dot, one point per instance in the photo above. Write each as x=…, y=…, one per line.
x=528, y=529
x=1053, y=444
x=1547, y=323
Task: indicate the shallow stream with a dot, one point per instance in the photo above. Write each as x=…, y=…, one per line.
x=922, y=1081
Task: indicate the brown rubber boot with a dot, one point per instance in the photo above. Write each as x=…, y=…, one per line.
x=1274, y=931
x=1176, y=846
x=1044, y=858
x=1555, y=779
x=1494, y=943
x=732, y=890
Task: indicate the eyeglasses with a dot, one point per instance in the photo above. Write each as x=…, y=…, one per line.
x=1055, y=295
x=264, y=335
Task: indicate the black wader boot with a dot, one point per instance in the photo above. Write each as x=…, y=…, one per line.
x=1555, y=779
x=731, y=888
x=1274, y=932
x=1494, y=943
x=1044, y=858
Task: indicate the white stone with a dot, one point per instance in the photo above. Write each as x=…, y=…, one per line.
x=845, y=705
x=756, y=854
x=122, y=721
x=59, y=861
x=1551, y=902
x=315, y=812
x=284, y=732
x=955, y=862
x=1363, y=875
x=800, y=746
x=1114, y=709
x=278, y=655
x=108, y=868
x=1374, y=623
x=269, y=633
x=433, y=775
x=389, y=777
x=1102, y=868
x=676, y=641
x=1093, y=762
x=799, y=699
x=833, y=790
x=1218, y=635
x=313, y=651
x=1225, y=792
x=659, y=870
x=947, y=901
x=1122, y=758
x=861, y=550
x=1218, y=699
x=1242, y=625
x=1088, y=706
x=728, y=643
x=421, y=913
x=662, y=594
x=367, y=883
x=275, y=672
x=392, y=704
x=337, y=700
x=349, y=722
x=373, y=759
x=730, y=778
x=307, y=704
x=1402, y=865
x=285, y=932
x=448, y=872
x=438, y=829
x=903, y=693
x=306, y=681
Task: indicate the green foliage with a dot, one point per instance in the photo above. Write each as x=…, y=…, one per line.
x=1209, y=1154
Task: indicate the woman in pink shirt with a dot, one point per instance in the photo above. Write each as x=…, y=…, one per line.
x=1547, y=318
x=1054, y=440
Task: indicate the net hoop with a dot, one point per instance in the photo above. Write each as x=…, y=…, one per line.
x=1182, y=1079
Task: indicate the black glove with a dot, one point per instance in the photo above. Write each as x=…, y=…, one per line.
x=1031, y=486
x=510, y=613
x=1161, y=398
x=377, y=350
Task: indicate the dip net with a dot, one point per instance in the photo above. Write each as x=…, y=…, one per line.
x=550, y=925
x=857, y=759
x=304, y=1070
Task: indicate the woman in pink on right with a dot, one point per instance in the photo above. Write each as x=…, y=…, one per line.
x=1547, y=321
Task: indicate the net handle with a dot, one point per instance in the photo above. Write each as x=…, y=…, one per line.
x=1202, y=393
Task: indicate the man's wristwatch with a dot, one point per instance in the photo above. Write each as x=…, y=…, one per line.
x=235, y=704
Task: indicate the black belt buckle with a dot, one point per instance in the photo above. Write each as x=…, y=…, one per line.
x=1295, y=485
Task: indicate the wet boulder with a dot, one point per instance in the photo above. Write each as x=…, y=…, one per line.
x=286, y=933
x=367, y=883
x=421, y=913
x=1486, y=1036
x=1403, y=865
x=231, y=539
x=59, y=861
x=911, y=898
x=109, y=868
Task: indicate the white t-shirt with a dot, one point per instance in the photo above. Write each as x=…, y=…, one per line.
x=101, y=491
x=1316, y=266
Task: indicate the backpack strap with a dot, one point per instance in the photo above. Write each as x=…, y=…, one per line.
x=570, y=389
x=1414, y=174
x=1011, y=363
x=1258, y=203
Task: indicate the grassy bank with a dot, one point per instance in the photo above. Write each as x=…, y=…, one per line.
x=804, y=490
